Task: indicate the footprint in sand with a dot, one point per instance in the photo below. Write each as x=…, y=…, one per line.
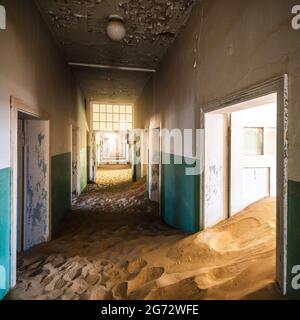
x=140, y=285
x=120, y=291
x=73, y=273
x=136, y=266
x=143, y=282
x=181, y=290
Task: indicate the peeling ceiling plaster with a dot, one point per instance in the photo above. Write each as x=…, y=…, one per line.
x=111, y=85
x=80, y=29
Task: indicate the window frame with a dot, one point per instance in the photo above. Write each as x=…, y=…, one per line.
x=112, y=111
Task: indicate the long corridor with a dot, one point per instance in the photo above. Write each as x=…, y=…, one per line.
x=113, y=245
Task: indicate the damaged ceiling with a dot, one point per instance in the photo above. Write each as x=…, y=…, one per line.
x=80, y=29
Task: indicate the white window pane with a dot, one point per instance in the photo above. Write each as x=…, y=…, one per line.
x=122, y=117
x=122, y=109
x=270, y=141
x=102, y=117
x=116, y=118
x=102, y=108
x=116, y=109
x=109, y=108
x=128, y=109
x=102, y=126
x=128, y=118
x=109, y=126
x=129, y=126
x=253, y=141
x=95, y=107
x=122, y=126
x=96, y=117
x=116, y=127
x=109, y=117
x=96, y=126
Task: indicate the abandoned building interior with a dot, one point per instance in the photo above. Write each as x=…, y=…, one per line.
x=95, y=204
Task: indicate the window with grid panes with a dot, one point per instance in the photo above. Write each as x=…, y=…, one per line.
x=112, y=117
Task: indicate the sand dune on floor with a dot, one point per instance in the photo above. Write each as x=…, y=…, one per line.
x=114, y=246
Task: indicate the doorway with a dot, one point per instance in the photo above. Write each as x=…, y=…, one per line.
x=112, y=147
x=30, y=162
x=245, y=158
x=240, y=157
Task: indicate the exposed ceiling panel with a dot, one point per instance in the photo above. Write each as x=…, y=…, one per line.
x=80, y=29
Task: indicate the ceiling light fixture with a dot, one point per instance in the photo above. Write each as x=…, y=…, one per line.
x=115, y=28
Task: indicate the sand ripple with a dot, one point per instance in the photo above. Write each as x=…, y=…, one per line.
x=113, y=245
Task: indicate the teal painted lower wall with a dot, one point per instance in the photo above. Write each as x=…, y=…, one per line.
x=180, y=196
x=293, y=240
x=60, y=188
x=137, y=172
x=5, y=223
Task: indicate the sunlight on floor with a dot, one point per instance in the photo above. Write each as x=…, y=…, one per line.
x=113, y=175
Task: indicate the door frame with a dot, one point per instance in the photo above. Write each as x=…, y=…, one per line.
x=16, y=106
x=278, y=85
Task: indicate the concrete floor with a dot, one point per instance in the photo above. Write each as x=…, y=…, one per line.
x=113, y=245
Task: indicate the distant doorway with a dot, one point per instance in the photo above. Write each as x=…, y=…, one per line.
x=112, y=148
x=112, y=124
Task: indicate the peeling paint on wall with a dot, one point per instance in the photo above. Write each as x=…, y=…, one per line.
x=36, y=213
x=215, y=173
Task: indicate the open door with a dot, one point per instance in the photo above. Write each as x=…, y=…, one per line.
x=36, y=183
